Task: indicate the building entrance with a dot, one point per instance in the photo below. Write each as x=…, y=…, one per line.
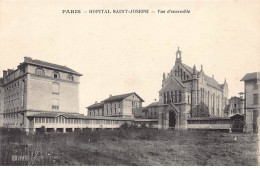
x=172, y=119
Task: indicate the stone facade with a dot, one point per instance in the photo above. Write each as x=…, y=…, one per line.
x=235, y=106
x=192, y=93
x=252, y=104
x=125, y=105
x=38, y=87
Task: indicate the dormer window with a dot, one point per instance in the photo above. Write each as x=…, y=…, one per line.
x=55, y=75
x=40, y=71
x=70, y=78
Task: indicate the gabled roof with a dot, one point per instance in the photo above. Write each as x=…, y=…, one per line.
x=211, y=82
x=251, y=76
x=237, y=115
x=174, y=107
x=121, y=97
x=168, y=80
x=235, y=97
x=29, y=60
x=96, y=105
x=188, y=68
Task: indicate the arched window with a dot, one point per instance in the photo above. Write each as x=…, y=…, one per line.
x=56, y=75
x=40, y=71
x=180, y=96
x=70, y=77
x=164, y=98
x=171, y=97
x=176, y=96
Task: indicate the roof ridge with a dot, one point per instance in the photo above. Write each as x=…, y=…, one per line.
x=50, y=65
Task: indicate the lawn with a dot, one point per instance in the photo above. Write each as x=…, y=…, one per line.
x=131, y=147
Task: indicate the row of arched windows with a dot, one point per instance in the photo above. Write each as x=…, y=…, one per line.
x=55, y=74
x=181, y=73
x=172, y=97
x=210, y=99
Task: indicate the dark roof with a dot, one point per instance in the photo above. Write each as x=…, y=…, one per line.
x=146, y=120
x=188, y=68
x=121, y=97
x=235, y=97
x=48, y=65
x=108, y=118
x=154, y=104
x=237, y=115
x=96, y=105
x=208, y=118
x=251, y=76
x=211, y=82
x=49, y=114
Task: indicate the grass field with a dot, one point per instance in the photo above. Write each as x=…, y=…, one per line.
x=131, y=147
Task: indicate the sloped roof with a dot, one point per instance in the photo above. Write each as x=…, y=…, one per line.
x=236, y=115
x=49, y=65
x=153, y=104
x=96, y=105
x=208, y=118
x=121, y=97
x=235, y=97
x=251, y=76
x=108, y=118
x=188, y=68
x=50, y=114
x=211, y=82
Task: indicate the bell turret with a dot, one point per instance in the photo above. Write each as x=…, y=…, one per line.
x=178, y=55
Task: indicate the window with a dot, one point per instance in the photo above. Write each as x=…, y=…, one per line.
x=40, y=71
x=255, y=99
x=164, y=98
x=180, y=96
x=55, y=88
x=70, y=77
x=133, y=104
x=255, y=85
x=176, y=96
x=55, y=75
x=55, y=103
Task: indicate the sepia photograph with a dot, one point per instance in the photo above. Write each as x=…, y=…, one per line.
x=129, y=83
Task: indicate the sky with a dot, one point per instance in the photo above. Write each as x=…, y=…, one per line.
x=121, y=53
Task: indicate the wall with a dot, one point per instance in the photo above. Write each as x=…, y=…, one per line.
x=116, y=106
x=251, y=119
x=40, y=95
x=130, y=104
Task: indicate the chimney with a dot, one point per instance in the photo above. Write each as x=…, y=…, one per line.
x=10, y=71
x=212, y=76
x=96, y=102
x=27, y=59
x=110, y=95
x=4, y=73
